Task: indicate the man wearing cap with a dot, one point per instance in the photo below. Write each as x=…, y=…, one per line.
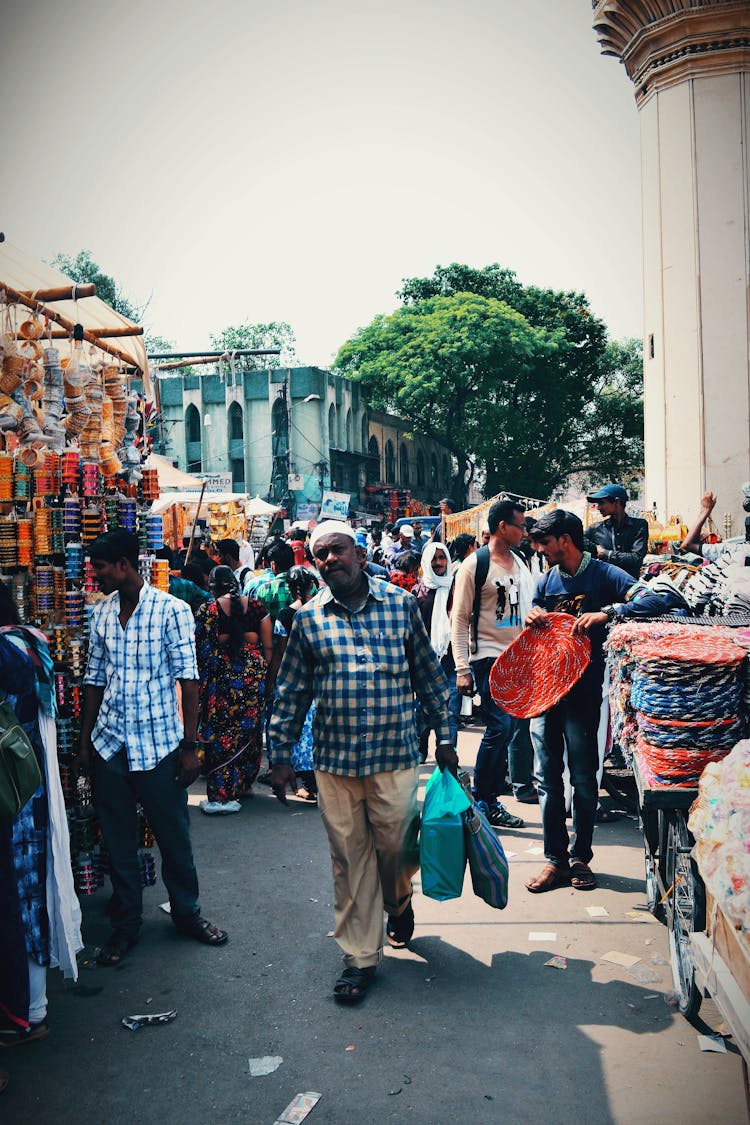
x=619, y=539
x=361, y=650
x=402, y=545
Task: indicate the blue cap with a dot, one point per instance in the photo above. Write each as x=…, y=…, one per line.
x=609, y=492
x=360, y=539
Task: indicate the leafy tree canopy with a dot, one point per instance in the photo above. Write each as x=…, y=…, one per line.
x=84, y=270
x=275, y=334
x=505, y=375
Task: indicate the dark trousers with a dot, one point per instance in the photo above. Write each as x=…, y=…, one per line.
x=492, y=755
x=571, y=725
x=117, y=791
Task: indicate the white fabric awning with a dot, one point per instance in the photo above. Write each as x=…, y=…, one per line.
x=28, y=275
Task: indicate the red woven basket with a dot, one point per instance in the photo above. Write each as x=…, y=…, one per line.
x=539, y=667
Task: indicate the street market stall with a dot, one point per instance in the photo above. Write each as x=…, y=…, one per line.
x=228, y=515
x=70, y=469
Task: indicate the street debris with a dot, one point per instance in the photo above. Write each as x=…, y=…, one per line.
x=556, y=963
x=135, y=1023
x=597, y=912
x=351, y=1047
x=298, y=1108
x=614, y=957
x=542, y=935
x=267, y=1064
x=643, y=974
x=392, y=1093
x=535, y=851
x=712, y=1043
x=165, y=907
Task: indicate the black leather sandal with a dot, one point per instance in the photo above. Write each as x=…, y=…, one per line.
x=353, y=984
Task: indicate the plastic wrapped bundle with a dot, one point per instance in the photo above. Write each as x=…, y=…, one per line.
x=720, y=823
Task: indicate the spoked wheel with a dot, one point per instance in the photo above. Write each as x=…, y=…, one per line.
x=686, y=912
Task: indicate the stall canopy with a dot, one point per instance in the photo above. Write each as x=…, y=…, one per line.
x=257, y=507
x=39, y=286
x=170, y=477
x=191, y=499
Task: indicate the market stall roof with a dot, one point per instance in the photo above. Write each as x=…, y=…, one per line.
x=169, y=476
x=257, y=507
x=191, y=499
x=29, y=276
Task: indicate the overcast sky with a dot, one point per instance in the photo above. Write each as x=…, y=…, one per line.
x=295, y=159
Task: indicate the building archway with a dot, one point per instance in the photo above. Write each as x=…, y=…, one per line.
x=390, y=463
x=373, y=465
x=403, y=466
x=193, y=446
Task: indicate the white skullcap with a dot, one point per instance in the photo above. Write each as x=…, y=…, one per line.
x=330, y=527
x=407, y=530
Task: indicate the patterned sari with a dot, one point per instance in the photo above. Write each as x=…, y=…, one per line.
x=232, y=696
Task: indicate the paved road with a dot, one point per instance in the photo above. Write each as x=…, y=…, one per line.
x=467, y=1024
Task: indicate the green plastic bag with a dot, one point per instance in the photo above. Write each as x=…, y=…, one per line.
x=442, y=848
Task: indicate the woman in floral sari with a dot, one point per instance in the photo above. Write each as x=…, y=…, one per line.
x=233, y=642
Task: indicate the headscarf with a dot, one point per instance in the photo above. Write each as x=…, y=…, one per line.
x=440, y=630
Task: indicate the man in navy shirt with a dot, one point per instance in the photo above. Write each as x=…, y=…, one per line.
x=593, y=592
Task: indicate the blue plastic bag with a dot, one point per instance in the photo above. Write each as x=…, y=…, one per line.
x=487, y=862
x=442, y=850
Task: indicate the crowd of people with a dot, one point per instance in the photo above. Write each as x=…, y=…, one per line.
x=343, y=653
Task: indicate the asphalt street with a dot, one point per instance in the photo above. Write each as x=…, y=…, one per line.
x=469, y=1023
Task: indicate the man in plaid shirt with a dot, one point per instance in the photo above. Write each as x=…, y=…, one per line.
x=360, y=649
x=142, y=641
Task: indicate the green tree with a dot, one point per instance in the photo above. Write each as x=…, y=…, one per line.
x=611, y=433
x=275, y=334
x=454, y=368
x=503, y=374
x=84, y=270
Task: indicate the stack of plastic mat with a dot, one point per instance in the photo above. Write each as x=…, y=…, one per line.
x=623, y=645
x=686, y=694
x=720, y=823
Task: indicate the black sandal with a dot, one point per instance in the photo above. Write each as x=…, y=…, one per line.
x=114, y=949
x=353, y=984
x=200, y=929
x=400, y=928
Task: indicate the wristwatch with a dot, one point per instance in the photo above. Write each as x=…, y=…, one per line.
x=610, y=612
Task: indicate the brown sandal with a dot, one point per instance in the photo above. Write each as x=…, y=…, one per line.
x=549, y=878
x=581, y=876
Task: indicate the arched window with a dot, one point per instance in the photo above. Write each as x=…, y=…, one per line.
x=193, y=449
x=280, y=427
x=192, y=424
x=365, y=433
x=403, y=466
x=373, y=465
x=234, y=421
x=340, y=429
x=332, y=425
x=446, y=471
x=433, y=471
x=348, y=429
x=390, y=463
x=420, y=467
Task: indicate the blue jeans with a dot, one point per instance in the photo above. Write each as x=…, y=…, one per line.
x=492, y=756
x=571, y=725
x=521, y=759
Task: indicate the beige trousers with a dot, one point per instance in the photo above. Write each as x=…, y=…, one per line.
x=372, y=825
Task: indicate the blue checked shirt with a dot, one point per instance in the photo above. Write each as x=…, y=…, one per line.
x=363, y=669
x=137, y=666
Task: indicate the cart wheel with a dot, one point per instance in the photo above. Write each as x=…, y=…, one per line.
x=686, y=912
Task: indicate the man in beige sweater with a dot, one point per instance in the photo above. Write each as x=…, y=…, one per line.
x=506, y=595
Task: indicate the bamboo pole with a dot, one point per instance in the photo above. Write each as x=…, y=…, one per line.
x=195, y=524
x=13, y=295
x=61, y=292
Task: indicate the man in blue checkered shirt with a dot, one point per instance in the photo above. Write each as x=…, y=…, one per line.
x=142, y=642
x=361, y=651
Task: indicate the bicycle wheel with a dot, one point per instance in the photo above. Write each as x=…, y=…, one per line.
x=686, y=913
